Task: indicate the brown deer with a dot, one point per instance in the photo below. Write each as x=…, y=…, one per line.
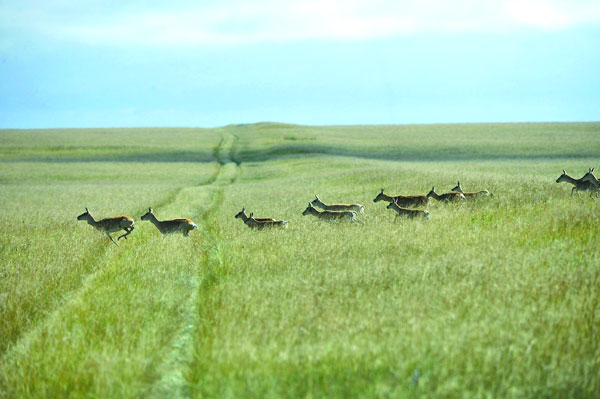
x=403, y=200
x=242, y=215
x=109, y=225
x=170, y=226
x=410, y=213
x=579, y=184
x=256, y=224
x=338, y=207
x=447, y=197
x=472, y=194
x=330, y=215
x=593, y=180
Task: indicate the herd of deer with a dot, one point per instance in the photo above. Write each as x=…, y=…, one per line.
x=399, y=204
x=588, y=182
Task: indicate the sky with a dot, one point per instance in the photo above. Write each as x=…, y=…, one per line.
x=66, y=63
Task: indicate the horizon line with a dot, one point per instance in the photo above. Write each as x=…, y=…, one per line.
x=304, y=125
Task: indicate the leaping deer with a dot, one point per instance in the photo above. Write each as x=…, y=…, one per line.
x=330, y=215
x=109, y=225
x=582, y=184
x=403, y=200
x=472, y=194
x=410, y=213
x=338, y=207
x=447, y=197
x=593, y=181
x=242, y=214
x=254, y=223
x=170, y=226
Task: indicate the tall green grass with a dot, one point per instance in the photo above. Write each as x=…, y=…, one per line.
x=493, y=298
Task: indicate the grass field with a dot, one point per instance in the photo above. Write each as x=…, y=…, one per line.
x=494, y=298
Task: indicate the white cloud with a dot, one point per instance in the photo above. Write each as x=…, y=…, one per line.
x=552, y=15
x=281, y=21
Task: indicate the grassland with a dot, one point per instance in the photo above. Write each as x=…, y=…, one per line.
x=494, y=298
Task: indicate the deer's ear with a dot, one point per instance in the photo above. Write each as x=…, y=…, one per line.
x=86, y=210
x=564, y=173
x=458, y=183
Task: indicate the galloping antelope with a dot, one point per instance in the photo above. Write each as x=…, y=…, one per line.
x=254, y=223
x=109, y=225
x=338, y=207
x=170, y=226
x=578, y=184
x=411, y=213
x=472, y=194
x=447, y=197
x=242, y=214
x=593, y=180
x=330, y=215
x=403, y=200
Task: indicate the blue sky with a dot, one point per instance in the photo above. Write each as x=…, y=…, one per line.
x=211, y=63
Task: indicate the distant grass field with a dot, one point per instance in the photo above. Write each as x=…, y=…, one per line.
x=499, y=297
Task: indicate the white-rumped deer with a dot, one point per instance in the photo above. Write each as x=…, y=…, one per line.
x=579, y=184
x=446, y=197
x=242, y=215
x=358, y=208
x=170, y=226
x=410, y=213
x=330, y=215
x=471, y=194
x=254, y=223
x=109, y=225
x=403, y=200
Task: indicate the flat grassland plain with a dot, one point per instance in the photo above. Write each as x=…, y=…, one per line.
x=499, y=297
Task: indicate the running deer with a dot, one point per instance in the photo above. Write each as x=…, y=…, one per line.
x=578, y=184
x=330, y=215
x=590, y=178
x=410, y=213
x=242, y=215
x=109, y=225
x=447, y=197
x=254, y=223
x=403, y=200
x=472, y=194
x=170, y=226
x=338, y=207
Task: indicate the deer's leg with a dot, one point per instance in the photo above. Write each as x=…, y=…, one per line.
x=112, y=239
x=128, y=231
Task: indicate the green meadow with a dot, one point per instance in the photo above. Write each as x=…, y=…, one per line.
x=493, y=298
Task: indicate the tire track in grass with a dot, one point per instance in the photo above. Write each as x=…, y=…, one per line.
x=97, y=256
x=171, y=369
x=175, y=369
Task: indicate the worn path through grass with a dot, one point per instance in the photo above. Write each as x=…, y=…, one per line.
x=88, y=316
x=176, y=367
